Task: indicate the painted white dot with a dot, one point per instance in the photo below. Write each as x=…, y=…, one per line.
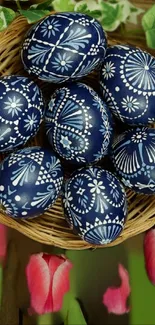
x=24, y=213
x=146, y=67
x=63, y=62
x=1, y=188
x=117, y=89
x=50, y=27
x=13, y=105
x=17, y=198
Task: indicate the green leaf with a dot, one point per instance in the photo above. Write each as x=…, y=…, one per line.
x=110, y=13
x=75, y=315
x=1, y=24
x=46, y=5
x=84, y=9
x=33, y=15
x=64, y=5
x=112, y=16
x=7, y=15
x=150, y=38
x=148, y=23
x=134, y=13
x=148, y=20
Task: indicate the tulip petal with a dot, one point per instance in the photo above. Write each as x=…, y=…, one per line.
x=61, y=284
x=54, y=262
x=115, y=297
x=149, y=254
x=3, y=242
x=38, y=279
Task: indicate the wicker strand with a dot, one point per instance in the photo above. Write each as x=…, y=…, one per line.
x=51, y=228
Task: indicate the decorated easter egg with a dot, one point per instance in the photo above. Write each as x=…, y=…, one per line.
x=78, y=124
x=64, y=46
x=21, y=111
x=133, y=155
x=95, y=205
x=128, y=84
x=30, y=182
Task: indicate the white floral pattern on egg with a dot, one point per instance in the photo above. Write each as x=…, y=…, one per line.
x=21, y=113
x=127, y=82
x=64, y=46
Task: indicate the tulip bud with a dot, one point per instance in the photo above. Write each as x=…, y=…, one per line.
x=48, y=281
x=115, y=297
x=149, y=254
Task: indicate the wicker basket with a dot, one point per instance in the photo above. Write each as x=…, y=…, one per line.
x=51, y=228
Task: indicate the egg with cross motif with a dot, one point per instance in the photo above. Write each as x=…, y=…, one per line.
x=30, y=182
x=78, y=124
x=64, y=46
x=21, y=113
x=133, y=156
x=95, y=205
x=127, y=82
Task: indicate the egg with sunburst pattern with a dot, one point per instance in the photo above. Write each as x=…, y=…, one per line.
x=133, y=155
x=127, y=82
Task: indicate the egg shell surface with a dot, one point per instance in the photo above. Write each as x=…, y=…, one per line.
x=127, y=82
x=133, y=155
x=78, y=124
x=64, y=46
x=95, y=205
x=21, y=113
x=30, y=182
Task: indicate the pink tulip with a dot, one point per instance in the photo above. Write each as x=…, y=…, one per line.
x=115, y=297
x=48, y=281
x=3, y=243
x=149, y=254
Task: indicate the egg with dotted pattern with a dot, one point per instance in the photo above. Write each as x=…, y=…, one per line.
x=127, y=82
x=78, y=124
x=21, y=113
x=63, y=47
x=133, y=156
x=30, y=182
x=95, y=205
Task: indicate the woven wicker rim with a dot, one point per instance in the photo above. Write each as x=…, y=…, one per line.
x=51, y=228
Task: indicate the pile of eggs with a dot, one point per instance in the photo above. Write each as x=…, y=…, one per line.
x=80, y=126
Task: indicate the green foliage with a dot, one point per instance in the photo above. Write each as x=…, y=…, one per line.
x=33, y=15
x=64, y=5
x=148, y=23
x=6, y=17
x=45, y=5
x=83, y=8
x=111, y=13
x=75, y=315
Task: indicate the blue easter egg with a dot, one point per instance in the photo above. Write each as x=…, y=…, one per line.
x=21, y=111
x=133, y=155
x=95, y=205
x=78, y=124
x=30, y=182
x=64, y=46
x=128, y=84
